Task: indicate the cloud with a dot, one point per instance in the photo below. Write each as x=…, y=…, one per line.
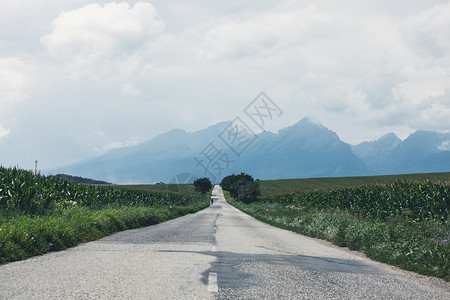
x=14, y=80
x=237, y=40
x=428, y=31
x=363, y=68
x=3, y=131
x=422, y=92
x=103, y=39
x=109, y=144
x=421, y=84
x=445, y=146
x=130, y=90
x=263, y=33
x=383, y=70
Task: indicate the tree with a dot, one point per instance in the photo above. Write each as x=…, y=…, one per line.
x=202, y=185
x=248, y=192
x=242, y=187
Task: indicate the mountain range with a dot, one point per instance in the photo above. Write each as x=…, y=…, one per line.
x=303, y=150
x=421, y=152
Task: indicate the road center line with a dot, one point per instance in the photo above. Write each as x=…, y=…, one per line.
x=212, y=282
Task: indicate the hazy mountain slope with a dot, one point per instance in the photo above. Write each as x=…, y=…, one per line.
x=374, y=153
x=411, y=155
x=156, y=160
x=436, y=162
x=305, y=149
x=422, y=151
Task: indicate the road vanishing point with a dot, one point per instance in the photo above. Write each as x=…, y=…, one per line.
x=217, y=253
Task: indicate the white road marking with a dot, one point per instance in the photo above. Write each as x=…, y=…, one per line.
x=212, y=283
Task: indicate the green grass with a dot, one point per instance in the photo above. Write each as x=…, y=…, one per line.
x=274, y=187
x=24, y=236
x=403, y=222
x=162, y=188
x=417, y=201
x=40, y=214
x=419, y=247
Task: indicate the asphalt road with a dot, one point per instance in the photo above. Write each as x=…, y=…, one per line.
x=218, y=253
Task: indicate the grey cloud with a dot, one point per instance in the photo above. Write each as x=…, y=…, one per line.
x=362, y=67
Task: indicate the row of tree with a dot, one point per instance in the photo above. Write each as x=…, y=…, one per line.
x=78, y=179
x=242, y=187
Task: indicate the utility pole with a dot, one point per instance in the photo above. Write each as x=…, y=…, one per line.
x=35, y=167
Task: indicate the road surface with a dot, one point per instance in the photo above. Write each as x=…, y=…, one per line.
x=218, y=253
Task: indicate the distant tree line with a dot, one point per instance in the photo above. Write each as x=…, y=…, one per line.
x=242, y=187
x=78, y=179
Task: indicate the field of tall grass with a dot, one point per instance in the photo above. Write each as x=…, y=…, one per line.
x=283, y=186
x=403, y=223
x=40, y=214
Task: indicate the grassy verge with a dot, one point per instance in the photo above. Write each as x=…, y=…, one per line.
x=422, y=247
x=40, y=214
x=24, y=236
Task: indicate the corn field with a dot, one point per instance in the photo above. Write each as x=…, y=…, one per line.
x=22, y=191
x=414, y=200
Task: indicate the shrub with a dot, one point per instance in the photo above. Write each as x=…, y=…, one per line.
x=202, y=185
x=242, y=187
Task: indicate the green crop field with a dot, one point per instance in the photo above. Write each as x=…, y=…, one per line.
x=273, y=187
x=182, y=189
x=401, y=220
x=418, y=200
x=40, y=214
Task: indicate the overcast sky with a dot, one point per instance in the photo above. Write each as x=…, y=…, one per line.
x=78, y=78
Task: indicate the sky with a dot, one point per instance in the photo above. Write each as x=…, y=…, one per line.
x=79, y=78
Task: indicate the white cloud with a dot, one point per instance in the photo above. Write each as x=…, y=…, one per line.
x=237, y=40
x=103, y=40
x=428, y=31
x=114, y=145
x=130, y=90
x=421, y=84
x=421, y=95
x=264, y=33
x=14, y=80
x=3, y=131
x=445, y=146
x=108, y=144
